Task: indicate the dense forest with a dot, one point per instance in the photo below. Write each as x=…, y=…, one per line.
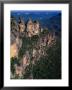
x=45, y=64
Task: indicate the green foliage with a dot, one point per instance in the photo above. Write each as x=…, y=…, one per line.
x=25, y=45
x=13, y=61
x=44, y=33
x=27, y=72
x=34, y=40
x=28, y=44
x=49, y=67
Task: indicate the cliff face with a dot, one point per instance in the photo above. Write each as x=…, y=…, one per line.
x=31, y=26
x=28, y=45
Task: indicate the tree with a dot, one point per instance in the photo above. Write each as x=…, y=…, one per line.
x=49, y=67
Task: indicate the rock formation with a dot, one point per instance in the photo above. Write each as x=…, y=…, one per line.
x=20, y=30
x=21, y=25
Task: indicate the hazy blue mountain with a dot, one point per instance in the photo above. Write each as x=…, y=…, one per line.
x=47, y=19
